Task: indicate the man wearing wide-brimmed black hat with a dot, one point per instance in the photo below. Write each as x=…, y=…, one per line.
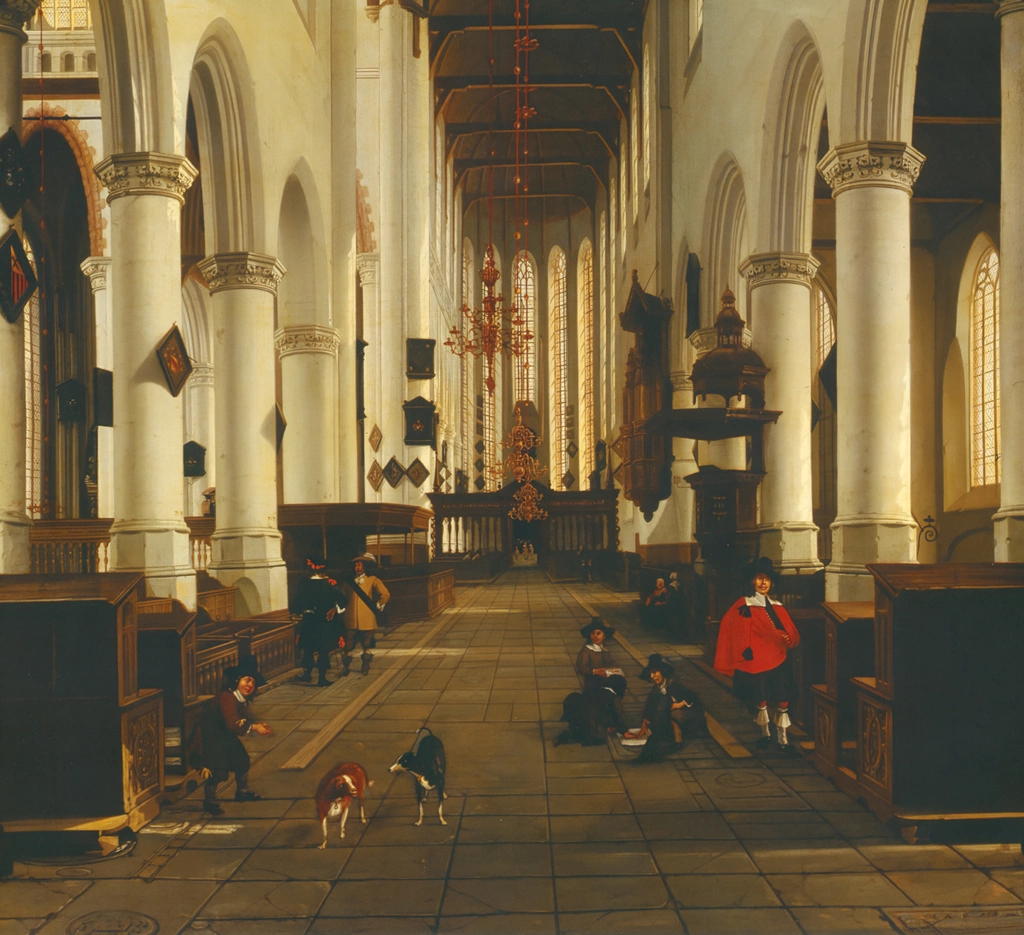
x=755, y=635
x=595, y=662
x=221, y=727
x=320, y=602
x=673, y=713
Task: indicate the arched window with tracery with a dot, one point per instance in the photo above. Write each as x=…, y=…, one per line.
x=558, y=395
x=526, y=304
x=984, y=379
x=585, y=364
x=492, y=414
x=602, y=312
x=634, y=150
x=823, y=419
x=647, y=104
x=34, y=429
x=66, y=14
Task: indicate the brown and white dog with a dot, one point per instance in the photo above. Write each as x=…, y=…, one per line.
x=335, y=793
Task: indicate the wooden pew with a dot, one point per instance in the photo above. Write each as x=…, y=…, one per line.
x=82, y=742
x=939, y=731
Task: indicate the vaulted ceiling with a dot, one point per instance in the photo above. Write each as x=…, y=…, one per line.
x=579, y=79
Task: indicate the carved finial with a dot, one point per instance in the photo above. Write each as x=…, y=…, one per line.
x=636, y=278
x=728, y=324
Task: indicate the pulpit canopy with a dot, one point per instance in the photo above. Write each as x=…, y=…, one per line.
x=730, y=369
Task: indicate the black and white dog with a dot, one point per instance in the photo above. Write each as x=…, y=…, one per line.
x=426, y=763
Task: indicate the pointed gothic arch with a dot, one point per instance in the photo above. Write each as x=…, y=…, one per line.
x=725, y=237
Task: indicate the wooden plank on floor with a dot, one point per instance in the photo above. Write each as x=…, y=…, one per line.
x=341, y=720
x=721, y=736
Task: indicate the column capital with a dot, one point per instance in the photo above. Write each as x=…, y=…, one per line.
x=681, y=381
x=242, y=271
x=367, y=265
x=762, y=268
x=871, y=163
x=97, y=268
x=307, y=339
x=146, y=174
x=1006, y=7
x=14, y=14
x=202, y=375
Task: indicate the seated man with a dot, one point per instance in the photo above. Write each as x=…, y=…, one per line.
x=672, y=714
x=593, y=713
x=657, y=604
x=595, y=661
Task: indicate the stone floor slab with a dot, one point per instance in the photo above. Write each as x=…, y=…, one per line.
x=837, y=889
x=720, y=891
x=357, y=898
x=745, y=921
x=488, y=896
x=610, y=893
x=950, y=888
x=645, y=921
x=266, y=899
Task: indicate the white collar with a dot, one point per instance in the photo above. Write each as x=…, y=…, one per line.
x=612, y=690
x=360, y=578
x=239, y=696
x=663, y=687
x=758, y=600
x=595, y=648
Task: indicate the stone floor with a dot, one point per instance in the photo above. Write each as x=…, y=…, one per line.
x=539, y=839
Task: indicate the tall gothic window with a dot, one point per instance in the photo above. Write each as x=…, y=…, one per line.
x=623, y=195
x=634, y=151
x=826, y=325
x=558, y=396
x=585, y=367
x=33, y=405
x=985, y=468
x=493, y=408
x=647, y=93
x=526, y=303
x=468, y=415
x=67, y=14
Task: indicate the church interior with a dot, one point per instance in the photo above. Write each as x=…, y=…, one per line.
x=425, y=342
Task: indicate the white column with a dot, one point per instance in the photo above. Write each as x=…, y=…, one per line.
x=683, y=463
x=343, y=182
x=1009, y=520
x=145, y=192
x=202, y=428
x=247, y=543
x=97, y=269
x=368, y=265
x=309, y=369
x=780, y=304
x=871, y=183
x=14, y=521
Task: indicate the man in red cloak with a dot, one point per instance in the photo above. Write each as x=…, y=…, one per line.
x=755, y=635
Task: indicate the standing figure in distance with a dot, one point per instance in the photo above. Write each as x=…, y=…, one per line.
x=753, y=640
x=367, y=598
x=320, y=602
x=222, y=725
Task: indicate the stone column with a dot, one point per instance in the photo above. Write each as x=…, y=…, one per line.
x=202, y=427
x=1009, y=520
x=780, y=304
x=97, y=269
x=14, y=521
x=247, y=543
x=368, y=265
x=145, y=192
x=683, y=463
x=309, y=369
x=872, y=183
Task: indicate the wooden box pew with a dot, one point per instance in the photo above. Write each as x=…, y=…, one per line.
x=270, y=638
x=849, y=651
x=939, y=732
x=81, y=744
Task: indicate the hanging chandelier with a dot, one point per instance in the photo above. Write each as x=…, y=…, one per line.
x=520, y=442
x=492, y=329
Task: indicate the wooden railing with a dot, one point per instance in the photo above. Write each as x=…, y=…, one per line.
x=82, y=546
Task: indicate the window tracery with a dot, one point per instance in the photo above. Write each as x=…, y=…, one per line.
x=558, y=397
x=585, y=349
x=984, y=380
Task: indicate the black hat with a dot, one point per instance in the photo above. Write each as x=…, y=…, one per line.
x=656, y=663
x=617, y=683
x=760, y=566
x=246, y=666
x=597, y=623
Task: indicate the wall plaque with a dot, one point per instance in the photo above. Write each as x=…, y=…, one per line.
x=419, y=358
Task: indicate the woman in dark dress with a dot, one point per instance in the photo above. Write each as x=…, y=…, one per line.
x=222, y=726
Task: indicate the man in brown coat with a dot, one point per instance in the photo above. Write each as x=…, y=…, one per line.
x=367, y=597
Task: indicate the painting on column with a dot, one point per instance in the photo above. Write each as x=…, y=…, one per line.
x=174, y=360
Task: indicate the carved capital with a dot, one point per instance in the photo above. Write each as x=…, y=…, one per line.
x=242, y=271
x=681, y=381
x=96, y=268
x=15, y=13
x=761, y=268
x=367, y=265
x=706, y=339
x=146, y=174
x=1006, y=7
x=307, y=339
x=871, y=163
x=202, y=375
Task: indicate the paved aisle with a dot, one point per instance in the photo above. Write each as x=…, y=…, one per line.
x=539, y=839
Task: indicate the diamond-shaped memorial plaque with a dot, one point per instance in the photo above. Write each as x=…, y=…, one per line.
x=393, y=472
x=479, y=483
x=417, y=473
x=479, y=446
x=375, y=475
x=16, y=178
x=376, y=437
x=479, y=465
x=568, y=480
x=571, y=449
x=17, y=280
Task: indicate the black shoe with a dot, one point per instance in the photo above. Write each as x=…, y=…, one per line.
x=247, y=795
x=212, y=808
x=344, y=672
x=763, y=743
x=322, y=682
x=305, y=677
x=365, y=669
